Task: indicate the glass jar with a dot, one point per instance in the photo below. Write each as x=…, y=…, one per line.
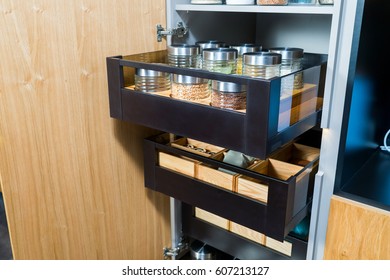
x=211, y=44
x=272, y=2
x=264, y=65
x=303, y=2
x=228, y=95
x=326, y=2
x=189, y=88
x=244, y=48
x=223, y=60
x=291, y=61
x=240, y=2
x=206, y=1
x=152, y=81
x=182, y=55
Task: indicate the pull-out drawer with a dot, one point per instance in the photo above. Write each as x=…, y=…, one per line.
x=273, y=115
x=270, y=196
x=239, y=241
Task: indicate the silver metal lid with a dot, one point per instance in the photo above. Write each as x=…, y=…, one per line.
x=288, y=53
x=245, y=48
x=183, y=49
x=210, y=44
x=149, y=73
x=261, y=58
x=183, y=79
x=220, y=54
x=227, y=87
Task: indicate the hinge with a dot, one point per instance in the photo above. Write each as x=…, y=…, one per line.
x=173, y=253
x=179, y=31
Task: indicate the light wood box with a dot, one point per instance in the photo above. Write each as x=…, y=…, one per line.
x=247, y=233
x=182, y=143
x=181, y=165
x=212, y=218
x=273, y=168
x=215, y=176
x=297, y=154
x=284, y=247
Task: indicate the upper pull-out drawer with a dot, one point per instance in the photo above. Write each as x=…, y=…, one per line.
x=270, y=196
x=272, y=116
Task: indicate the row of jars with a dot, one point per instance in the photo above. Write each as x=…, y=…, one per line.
x=220, y=94
x=214, y=56
x=246, y=59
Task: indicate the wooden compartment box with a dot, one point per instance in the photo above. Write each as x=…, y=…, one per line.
x=267, y=122
x=220, y=194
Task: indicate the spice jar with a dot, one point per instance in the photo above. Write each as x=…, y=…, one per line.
x=189, y=88
x=304, y=2
x=264, y=65
x=326, y=2
x=182, y=55
x=240, y=2
x=272, y=2
x=291, y=61
x=244, y=48
x=152, y=81
x=228, y=95
x=206, y=1
x=211, y=44
x=223, y=60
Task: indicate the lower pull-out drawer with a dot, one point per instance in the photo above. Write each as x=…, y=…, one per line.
x=239, y=241
x=270, y=196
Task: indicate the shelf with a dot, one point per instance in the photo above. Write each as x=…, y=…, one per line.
x=289, y=9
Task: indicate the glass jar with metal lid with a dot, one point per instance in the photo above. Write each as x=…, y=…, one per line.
x=223, y=60
x=210, y=44
x=183, y=55
x=264, y=65
x=326, y=2
x=244, y=48
x=189, y=88
x=291, y=61
x=228, y=95
x=152, y=81
x=206, y=1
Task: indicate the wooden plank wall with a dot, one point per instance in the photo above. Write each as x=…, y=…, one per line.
x=357, y=231
x=72, y=177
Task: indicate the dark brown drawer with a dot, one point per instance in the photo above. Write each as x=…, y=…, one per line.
x=270, y=196
x=271, y=118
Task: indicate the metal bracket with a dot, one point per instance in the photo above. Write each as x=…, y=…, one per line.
x=179, y=31
x=172, y=253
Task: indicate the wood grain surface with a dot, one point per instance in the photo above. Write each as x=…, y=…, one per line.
x=72, y=178
x=357, y=231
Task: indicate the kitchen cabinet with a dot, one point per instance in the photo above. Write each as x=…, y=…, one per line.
x=325, y=30
x=332, y=31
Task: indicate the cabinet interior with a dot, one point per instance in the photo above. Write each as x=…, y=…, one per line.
x=363, y=167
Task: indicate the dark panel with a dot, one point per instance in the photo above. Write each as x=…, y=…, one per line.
x=367, y=99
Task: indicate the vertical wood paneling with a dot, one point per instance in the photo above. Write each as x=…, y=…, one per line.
x=72, y=177
x=357, y=231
